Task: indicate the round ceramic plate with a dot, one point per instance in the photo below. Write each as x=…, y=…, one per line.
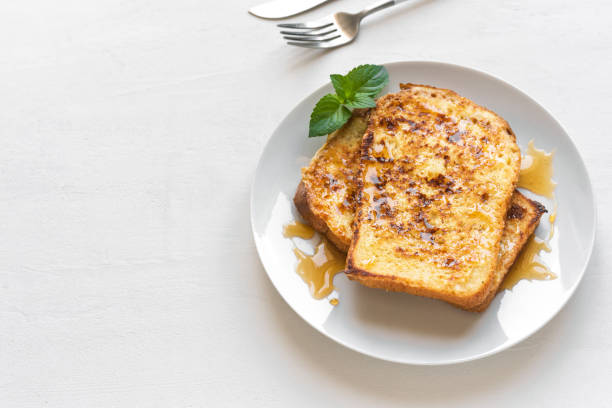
x=409, y=329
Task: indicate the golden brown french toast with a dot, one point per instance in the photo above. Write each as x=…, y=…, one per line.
x=437, y=173
x=323, y=204
x=327, y=192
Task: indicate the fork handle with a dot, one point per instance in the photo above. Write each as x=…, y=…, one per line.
x=378, y=6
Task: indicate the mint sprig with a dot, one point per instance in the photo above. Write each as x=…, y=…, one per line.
x=356, y=89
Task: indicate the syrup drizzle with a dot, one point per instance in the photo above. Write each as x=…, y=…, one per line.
x=298, y=229
x=537, y=171
x=317, y=270
x=536, y=175
x=527, y=267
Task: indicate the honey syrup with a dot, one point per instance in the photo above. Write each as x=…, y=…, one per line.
x=527, y=267
x=317, y=270
x=537, y=171
x=298, y=229
x=536, y=175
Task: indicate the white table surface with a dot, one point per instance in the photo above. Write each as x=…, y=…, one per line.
x=130, y=131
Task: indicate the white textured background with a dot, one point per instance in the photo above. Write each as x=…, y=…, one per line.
x=129, y=133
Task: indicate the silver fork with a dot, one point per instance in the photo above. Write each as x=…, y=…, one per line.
x=331, y=31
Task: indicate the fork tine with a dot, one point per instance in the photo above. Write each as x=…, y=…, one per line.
x=311, y=39
x=313, y=25
x=307, y=33
x=332, y=43
x=307, y=44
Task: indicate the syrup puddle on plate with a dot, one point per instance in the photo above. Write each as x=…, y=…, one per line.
x=537, y=171
x=526, y=266
x=536, y=176
x=317, y=270
x=299, y=230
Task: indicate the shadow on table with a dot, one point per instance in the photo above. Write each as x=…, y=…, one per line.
x=393, y=312
x=383, y=381
x=409, y=328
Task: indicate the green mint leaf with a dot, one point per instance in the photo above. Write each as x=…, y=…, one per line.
x=328, y=115
x=341, y=86
x=368, y=79
x=356, y=89
x=361, y=101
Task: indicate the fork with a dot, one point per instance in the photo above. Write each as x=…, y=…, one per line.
x=332, y=31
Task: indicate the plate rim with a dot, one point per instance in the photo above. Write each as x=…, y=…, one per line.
x=505, y=346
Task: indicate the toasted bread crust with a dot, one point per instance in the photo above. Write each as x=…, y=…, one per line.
x=302, y=200
x=391, y=283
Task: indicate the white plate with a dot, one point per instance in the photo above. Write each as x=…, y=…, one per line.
x=409, y=329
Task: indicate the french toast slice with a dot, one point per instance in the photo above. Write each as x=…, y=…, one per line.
x=522, y=218
x=437, y=173
x=330, y=210
x=326, y=195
